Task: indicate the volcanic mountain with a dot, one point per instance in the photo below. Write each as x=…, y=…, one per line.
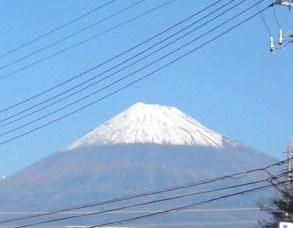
x=153, y=124
x=147, y=147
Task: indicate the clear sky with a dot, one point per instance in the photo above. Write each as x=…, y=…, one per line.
x=234, y=86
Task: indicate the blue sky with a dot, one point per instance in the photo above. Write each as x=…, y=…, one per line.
x=234, y=86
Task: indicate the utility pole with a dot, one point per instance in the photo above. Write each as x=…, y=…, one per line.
x=287, y=224
x=290, y=169
x=290, y=162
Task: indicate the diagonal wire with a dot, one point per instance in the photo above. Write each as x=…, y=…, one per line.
x=151, y=193
x=110, y=59
x=95, y=36
x=135, y=81
x=263, y=20
x=128, y=75
x=115, y=66
x=276, y=18
x=55, y=29
x=183, y=207
x=52, y=44
x=176, y=197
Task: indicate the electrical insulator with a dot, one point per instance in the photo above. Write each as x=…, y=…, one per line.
x=280, y=37
x=272, y=46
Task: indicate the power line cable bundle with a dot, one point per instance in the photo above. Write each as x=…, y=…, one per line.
x=119, y=64
x=3, y=110
x=135, y=72
x=54, y=43
x=234, y=176
x=108, y=60
x=111, y=68
x=270, y=179
x=56, y=29
x=79, y=43
x=176, y=209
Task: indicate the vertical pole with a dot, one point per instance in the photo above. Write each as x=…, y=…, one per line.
x=290, y=162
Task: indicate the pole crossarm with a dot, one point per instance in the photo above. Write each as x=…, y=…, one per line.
x=286, y=3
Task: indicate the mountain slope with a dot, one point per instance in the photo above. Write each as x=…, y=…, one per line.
x=146, y=123
x=141, y=149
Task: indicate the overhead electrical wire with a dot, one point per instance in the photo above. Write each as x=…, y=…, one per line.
x=265, y=24
x=222, y=196
x=39, y=37
x=34, y=106
x=276, y=18
x=171, y=198
x=234, y=176
x=263, y=20
x=131, y=83
x=138, y=211
x=202, y=45
x=54, y=43
x=99, y=90
x=124, y=61
x=92, y=37
x=110, y=59
x=178, y=196
x=175, y=209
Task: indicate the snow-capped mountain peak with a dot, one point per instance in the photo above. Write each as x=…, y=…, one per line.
x=156, y=124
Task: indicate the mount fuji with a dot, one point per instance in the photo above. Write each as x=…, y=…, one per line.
x=146, y=147
x=154, y=124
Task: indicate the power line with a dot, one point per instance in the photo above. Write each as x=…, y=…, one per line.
x=176, y=197
x=110, y=59
x=89, y=38
x=151, y=193
x=208, y=210
x=56, y=29
x=143, y=204
x=52, y=44
x=34, y=106
x=124, y=61
x=130, y=83
x=175, y=209
x=263, y=20
x=276, y=18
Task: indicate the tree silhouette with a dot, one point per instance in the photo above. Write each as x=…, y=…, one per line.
x=280, y=208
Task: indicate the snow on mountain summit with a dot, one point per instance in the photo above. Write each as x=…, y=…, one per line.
x=156, y=124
